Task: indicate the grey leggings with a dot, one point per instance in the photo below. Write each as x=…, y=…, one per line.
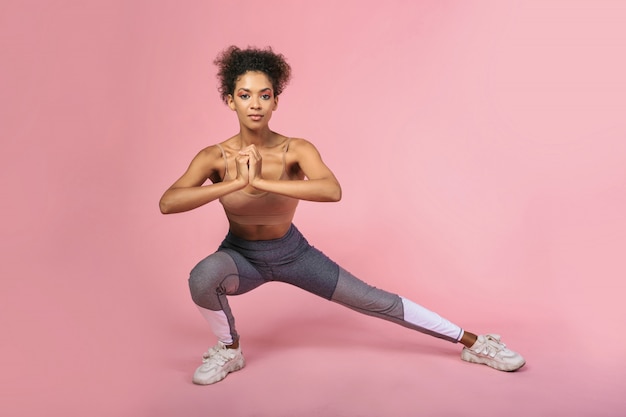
x=240, y=265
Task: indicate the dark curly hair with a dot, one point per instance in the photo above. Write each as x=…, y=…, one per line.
x=233, y=62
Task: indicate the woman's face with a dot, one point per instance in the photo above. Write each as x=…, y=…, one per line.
x=253, y=100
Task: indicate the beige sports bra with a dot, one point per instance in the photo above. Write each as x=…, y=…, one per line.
x=258, y=209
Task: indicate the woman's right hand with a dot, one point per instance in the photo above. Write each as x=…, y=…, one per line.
x=243, y=168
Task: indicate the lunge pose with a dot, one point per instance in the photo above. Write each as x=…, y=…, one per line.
x=259, y=176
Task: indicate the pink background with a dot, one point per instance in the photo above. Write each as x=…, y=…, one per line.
x=481, y=148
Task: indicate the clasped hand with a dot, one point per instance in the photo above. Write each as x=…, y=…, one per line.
x=249, y=163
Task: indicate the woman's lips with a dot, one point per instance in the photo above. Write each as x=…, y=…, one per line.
x=256, y=117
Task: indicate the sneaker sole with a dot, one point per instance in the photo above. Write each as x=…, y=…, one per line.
x=469, y=357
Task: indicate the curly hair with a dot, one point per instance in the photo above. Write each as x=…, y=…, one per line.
x=233, y=62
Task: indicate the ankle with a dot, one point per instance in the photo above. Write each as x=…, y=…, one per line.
x=468, y=339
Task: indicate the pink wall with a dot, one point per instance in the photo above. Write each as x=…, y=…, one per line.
x=481, y=148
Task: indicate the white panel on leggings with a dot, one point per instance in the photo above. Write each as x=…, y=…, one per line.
x=426, y=319
x=219, y=324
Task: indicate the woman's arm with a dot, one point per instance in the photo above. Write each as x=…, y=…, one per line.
x=188, y=192
x=320, y=183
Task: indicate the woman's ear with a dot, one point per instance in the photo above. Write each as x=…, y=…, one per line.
x=275, y=103
x=231, y=102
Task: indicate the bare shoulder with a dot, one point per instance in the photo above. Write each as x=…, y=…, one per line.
x=207, y=164
x=306, y=160
x=211, y=151
x=208, y=158
x=213, y=155
x=302, y=146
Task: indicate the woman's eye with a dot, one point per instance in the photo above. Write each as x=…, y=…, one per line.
x=244, y=96
x=266, y=96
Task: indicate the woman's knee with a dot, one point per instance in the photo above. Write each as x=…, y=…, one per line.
x=199, y=289
x=208, y=279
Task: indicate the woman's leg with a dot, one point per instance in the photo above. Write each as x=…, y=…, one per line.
x=359, y=296
x=214, y=278
x=313, y=271
x=364, y=298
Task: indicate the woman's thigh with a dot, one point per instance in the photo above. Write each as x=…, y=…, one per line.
x=222, y=273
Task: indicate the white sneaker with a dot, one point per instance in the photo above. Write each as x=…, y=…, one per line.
x=490, y=351
x=217, y=362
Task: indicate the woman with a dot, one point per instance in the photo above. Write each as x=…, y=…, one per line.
x=259, y=176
